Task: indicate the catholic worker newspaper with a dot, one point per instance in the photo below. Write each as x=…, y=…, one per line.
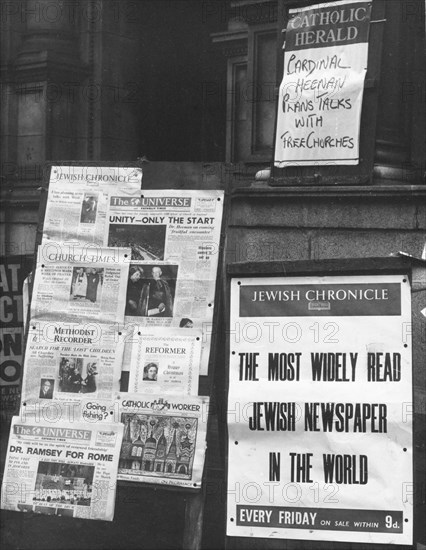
x=320, y=409
x=78, y=200
x=164, y=439
x=74, y=283
x=62, y=469
x=67, y=361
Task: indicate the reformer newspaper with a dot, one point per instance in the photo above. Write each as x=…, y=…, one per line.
x=164, y=439
x=174, y=236
x=62, y=469
x=78, y=200
x=165, y=361
x=66, y=361
x=74, y=283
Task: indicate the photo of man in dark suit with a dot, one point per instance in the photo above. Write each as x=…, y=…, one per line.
x=46, y=388
x=156, y=297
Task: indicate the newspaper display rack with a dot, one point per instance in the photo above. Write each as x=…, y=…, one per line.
x=124, y=288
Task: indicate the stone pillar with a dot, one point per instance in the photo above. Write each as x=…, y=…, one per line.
x=46, y=68
x=395, y=107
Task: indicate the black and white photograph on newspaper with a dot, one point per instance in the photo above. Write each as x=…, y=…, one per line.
x=147, y=242
x=151, y=291
x=86, y=284
x=89, y=208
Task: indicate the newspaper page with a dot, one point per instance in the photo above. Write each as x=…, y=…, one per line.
x=66, y=361
x=80, y=283
x=174, y=236
x=62, y=469
x=78, y=200
x=321, y=93
x=320, y=390
x=164, y=439
x=165, y=361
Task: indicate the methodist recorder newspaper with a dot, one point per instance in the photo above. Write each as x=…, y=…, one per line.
x=63, y=469
x=67, y=361
x=319, y=409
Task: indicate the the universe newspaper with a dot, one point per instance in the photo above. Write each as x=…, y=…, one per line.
x=164, y=439
x=67, y=361
x=75, y=283
x=174, y=236
x=63, y=469
x=78, y=200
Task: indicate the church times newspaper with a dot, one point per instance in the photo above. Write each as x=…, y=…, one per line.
x=319, y=409
x=63, y=469
x=176, y=232
x=65, y=362
x=78, y=200
x=80, y=283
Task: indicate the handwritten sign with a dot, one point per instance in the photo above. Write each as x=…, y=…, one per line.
x=319, y=409
x=321, y=93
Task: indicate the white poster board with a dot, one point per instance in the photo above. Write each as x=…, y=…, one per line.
x=320, y=98
x=320, y=444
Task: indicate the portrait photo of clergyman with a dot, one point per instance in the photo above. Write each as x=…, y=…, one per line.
x=89, y=382
x=86, y=284
x=158, y=291
x=151, y=290
x=150, y=372
x=134, y=290
x=89, y=208
x=46, y=388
